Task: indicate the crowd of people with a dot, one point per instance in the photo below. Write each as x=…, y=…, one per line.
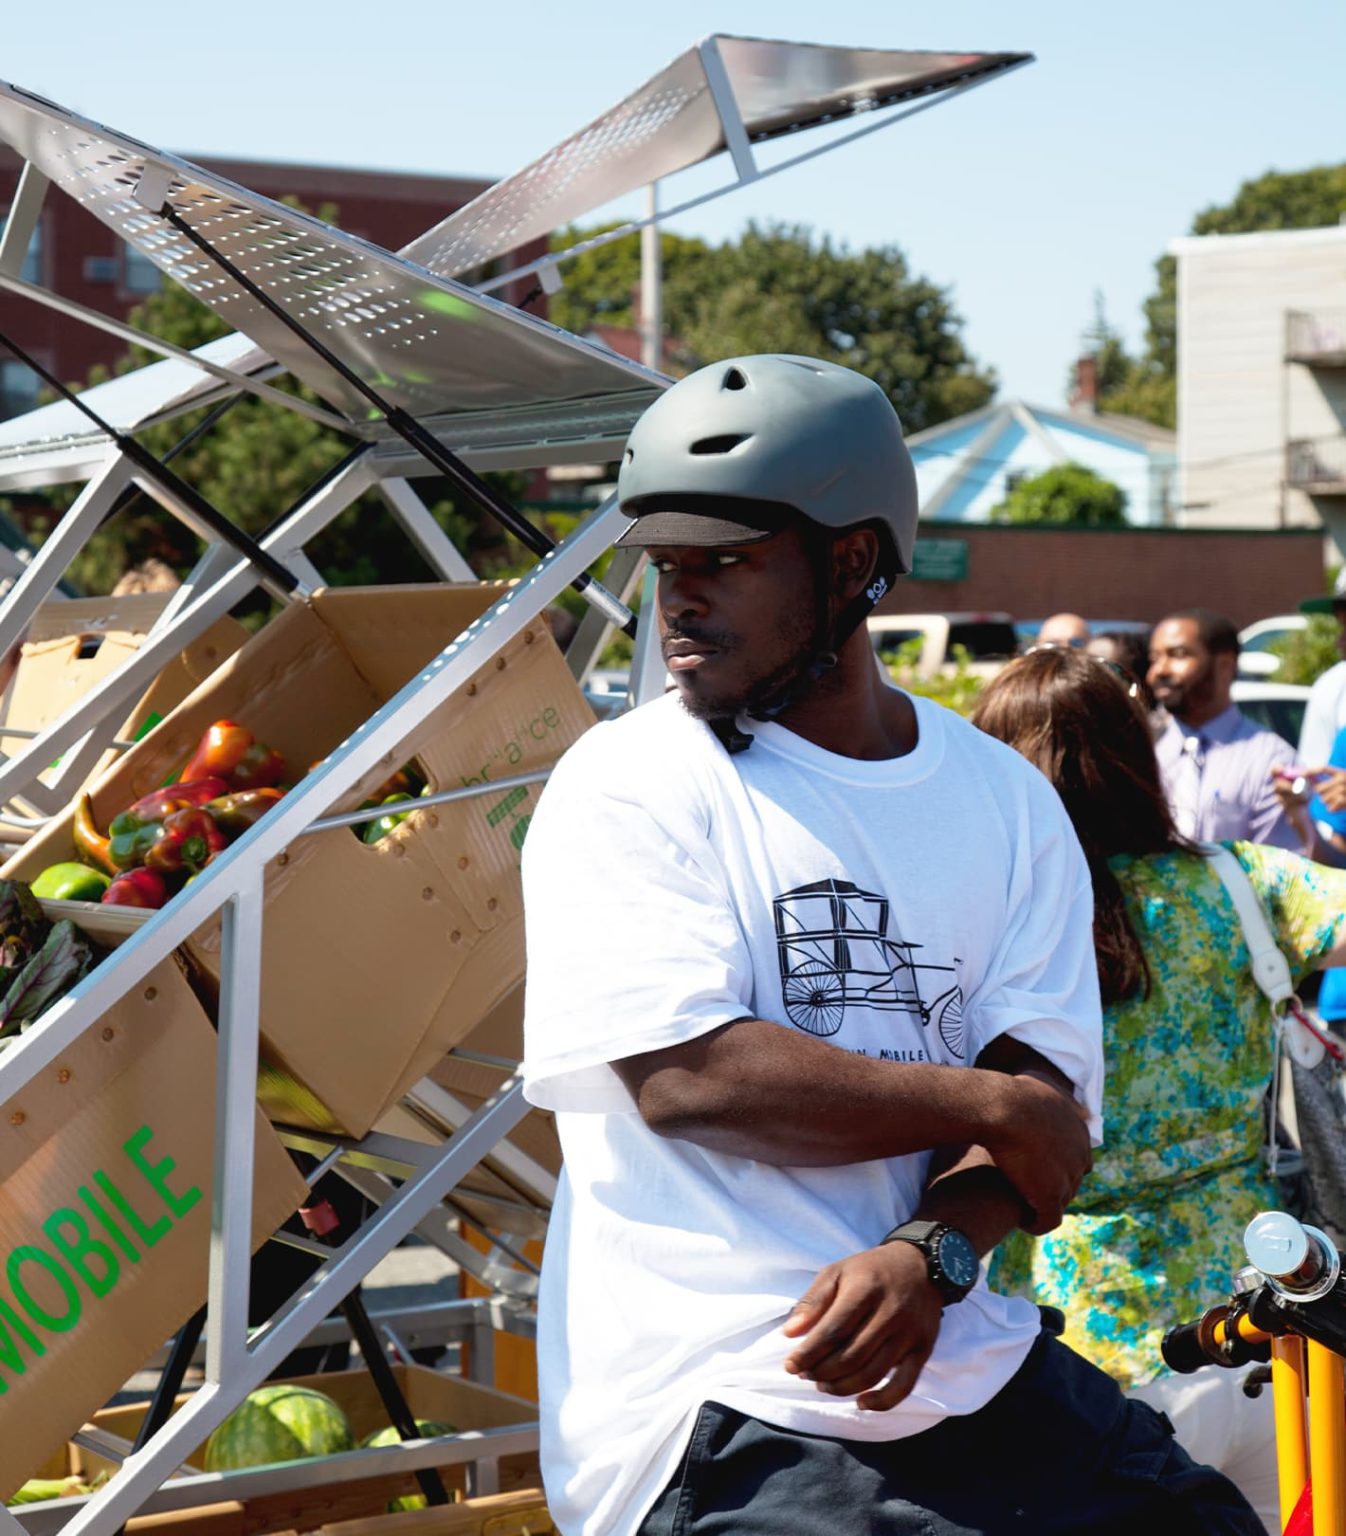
x=880, y=1041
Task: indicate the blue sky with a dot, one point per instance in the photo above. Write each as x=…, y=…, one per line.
x=1023, y=197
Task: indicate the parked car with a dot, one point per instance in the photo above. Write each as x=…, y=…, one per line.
x=1276, y=707
x=1256, y=657
x=988, y=639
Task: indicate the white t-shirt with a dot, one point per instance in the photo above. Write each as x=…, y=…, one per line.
x=911, y=909
x=1324, y=716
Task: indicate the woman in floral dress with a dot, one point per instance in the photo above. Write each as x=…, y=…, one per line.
x=1154, y=1235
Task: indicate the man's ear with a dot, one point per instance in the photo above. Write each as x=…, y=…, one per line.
x=855, y=556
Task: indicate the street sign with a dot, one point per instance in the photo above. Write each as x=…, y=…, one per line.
x=940, y=560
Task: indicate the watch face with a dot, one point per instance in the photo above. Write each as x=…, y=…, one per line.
x=958, y=1259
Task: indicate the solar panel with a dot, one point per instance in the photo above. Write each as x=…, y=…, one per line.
x=427, y=344
x=672, y=122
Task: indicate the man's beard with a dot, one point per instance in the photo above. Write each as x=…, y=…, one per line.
x=757, y=696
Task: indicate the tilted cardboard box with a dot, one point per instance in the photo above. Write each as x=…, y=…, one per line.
x=376, y=958
x=72, y=646
x=105, y=1179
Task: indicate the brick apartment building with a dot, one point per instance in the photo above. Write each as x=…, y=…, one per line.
x=77, y=257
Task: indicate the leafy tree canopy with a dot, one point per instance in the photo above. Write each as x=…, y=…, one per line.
x=1066, y=494
x=780, y=288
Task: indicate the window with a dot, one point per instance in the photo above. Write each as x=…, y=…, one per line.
x=18, y=388
x=31, y=271
x=139, y=274
x=101, y=269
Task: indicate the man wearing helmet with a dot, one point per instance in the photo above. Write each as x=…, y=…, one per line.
x=812, y=992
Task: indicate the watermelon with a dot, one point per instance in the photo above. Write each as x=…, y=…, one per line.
x=427, y=1429
x=278, y=1423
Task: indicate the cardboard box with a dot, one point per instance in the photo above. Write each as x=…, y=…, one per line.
x=503, y=1514
x=71, y=646
x=429, y=1394
x=105, y=1177
x=377, y=958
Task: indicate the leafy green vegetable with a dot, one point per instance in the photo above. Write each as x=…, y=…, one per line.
x=64, y=959
x=23, y=928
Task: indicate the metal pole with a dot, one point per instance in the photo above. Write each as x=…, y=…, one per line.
x=651, y=284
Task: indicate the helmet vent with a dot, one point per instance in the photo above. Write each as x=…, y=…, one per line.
x=725, y=444
x=734, y=379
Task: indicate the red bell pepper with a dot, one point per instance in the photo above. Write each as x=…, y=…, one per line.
x=188, y=842
x=260, y=767
x=93, y=848
x=137, y=830
x=137, y=888
x=236, y=813
x=218, y=752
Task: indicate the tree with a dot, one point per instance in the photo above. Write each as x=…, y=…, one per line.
x=778, y=288
x=1065, y=495
x=601, y=285
x=1309, y=199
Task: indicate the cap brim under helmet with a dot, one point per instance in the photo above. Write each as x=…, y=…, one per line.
x=678, y=521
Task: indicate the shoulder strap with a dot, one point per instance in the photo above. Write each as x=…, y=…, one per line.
x=1271, y=970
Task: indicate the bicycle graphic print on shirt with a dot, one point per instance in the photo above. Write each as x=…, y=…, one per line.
x=833, y=948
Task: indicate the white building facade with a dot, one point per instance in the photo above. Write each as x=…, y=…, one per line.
x=1262, y=380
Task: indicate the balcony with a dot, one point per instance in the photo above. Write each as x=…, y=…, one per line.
x=1317, y=465
x=1316, y=338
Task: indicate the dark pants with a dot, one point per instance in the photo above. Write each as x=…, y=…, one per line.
x=1059, y=1450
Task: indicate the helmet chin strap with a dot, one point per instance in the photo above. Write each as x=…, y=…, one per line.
x=828, y=639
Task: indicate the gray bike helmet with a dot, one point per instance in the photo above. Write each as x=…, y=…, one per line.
x=730, y=452
x=736, y=452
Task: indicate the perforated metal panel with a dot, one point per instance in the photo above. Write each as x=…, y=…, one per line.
x=426, y=343
x=671, y=122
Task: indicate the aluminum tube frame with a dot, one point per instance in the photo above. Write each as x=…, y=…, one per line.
x=202, y=1488
x=236, y=1124
x=22, y=219
x=78, y=524
x=366, y=747
x=594, y=628
x=763, y=172
x=419, y=525
x=437, y=1229
x=130, y=680
x=726, y=108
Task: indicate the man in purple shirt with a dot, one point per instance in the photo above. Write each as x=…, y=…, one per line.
x=1215, y=763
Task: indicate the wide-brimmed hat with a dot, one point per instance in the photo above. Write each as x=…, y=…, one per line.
x=1330, y=601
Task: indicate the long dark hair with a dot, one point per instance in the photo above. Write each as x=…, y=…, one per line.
x=1072, y=716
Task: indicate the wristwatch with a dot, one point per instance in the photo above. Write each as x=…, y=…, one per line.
x=949, y=1256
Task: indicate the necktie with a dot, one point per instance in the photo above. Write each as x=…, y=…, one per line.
x=1187, y=785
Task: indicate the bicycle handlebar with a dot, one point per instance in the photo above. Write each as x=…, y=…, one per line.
x=1297, y=1287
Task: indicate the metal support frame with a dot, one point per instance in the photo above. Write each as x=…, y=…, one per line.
x=419, y=525
x=236, y=1362
x=119, y=690
x=502, y=280
x=22, y=219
